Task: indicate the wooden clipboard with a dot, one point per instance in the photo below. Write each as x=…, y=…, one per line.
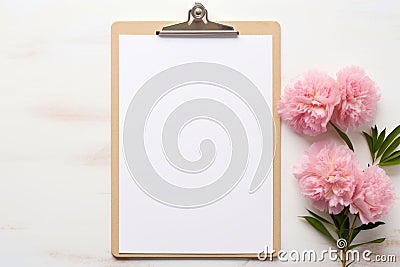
x=149, y=28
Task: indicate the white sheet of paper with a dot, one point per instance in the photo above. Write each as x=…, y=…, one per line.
x=239, y=222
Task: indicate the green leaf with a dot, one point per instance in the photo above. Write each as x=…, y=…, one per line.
x=319, y=217
x=392, y=156
x=391, y=162
x=344, y=228
x=374, y=135
x=338, y=218
x=335, y=221
x=370, y=144
x=354, y=234
x=369, y=226
x=379, y=240
x=341, y=215
x=380, y=140
x=391, y=148
x=389, y=139
x=344, y=136
x=318, y=226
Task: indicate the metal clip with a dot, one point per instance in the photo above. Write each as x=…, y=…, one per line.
x=198, y=25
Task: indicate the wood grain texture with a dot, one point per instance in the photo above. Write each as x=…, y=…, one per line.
x=55, y=117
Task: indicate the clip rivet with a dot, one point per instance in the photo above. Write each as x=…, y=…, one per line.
x=198, y=11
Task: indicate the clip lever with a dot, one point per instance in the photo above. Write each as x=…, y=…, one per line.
x=198, y=25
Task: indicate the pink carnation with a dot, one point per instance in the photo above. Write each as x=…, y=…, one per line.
x=374, y=195
x=308, y=103
x=327, y=174
x=359, y=98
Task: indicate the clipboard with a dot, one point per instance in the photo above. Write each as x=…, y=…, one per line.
x=196, y=26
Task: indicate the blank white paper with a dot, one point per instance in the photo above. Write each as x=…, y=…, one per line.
x=238, y=221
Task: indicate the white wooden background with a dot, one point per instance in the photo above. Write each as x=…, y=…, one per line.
x=55, y=119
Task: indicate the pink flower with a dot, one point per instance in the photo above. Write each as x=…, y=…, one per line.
x=308, y=103
x=374, y=195
x=359, y=98
x=327, y=174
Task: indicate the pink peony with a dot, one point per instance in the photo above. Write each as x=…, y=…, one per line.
x=308, y=103
x=359, y=97
x=374, y=195
x=327, y=174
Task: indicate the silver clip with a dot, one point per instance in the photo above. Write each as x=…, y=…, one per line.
x=198, y=25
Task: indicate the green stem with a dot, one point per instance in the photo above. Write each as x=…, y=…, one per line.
x=344, y=257
x=351, y=231
x=348, y=241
